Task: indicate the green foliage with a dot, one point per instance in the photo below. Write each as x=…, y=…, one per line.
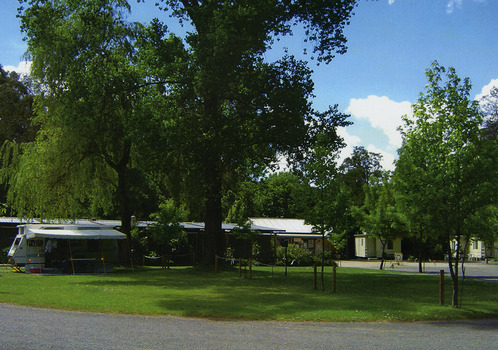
x=167, y=235
x=296, y=255
x=379, y=215
x=445, y=172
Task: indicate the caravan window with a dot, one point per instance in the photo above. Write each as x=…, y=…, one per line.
x=17, y=241
x=35, y=243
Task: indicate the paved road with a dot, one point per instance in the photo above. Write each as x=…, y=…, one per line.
x=31, y=328
x=476, y=270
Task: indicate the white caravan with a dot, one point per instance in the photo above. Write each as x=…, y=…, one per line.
x=65, y=248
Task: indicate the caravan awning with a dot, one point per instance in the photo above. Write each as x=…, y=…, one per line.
x=71, y=232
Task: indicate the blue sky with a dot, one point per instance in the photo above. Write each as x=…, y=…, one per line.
x=391, y=43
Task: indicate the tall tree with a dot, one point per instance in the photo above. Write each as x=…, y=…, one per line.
x=83, y=55
x=241, y=110
x=16, y=129
x=442, y=172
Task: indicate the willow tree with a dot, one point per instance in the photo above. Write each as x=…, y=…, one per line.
x=240, y=111
x=445, y=174
x=89, y=113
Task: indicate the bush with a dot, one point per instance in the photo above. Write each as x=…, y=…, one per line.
x=3, y=255
x=296, y=255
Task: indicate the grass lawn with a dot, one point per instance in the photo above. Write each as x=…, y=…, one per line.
x=362, y=295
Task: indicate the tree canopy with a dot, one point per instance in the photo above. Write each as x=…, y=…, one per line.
x=445, y=173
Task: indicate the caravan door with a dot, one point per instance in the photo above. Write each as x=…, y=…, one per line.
x=17, y=252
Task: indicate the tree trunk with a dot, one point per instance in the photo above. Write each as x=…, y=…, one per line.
x=213, y=235
x=124, y=202
x=453, y=265
x=383, y=254
x=420, y=253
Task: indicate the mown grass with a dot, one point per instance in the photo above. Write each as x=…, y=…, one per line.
x=362, y=295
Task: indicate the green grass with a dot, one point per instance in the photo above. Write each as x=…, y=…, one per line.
x=362, y=295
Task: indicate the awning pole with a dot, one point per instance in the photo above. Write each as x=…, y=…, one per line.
x=70, y=255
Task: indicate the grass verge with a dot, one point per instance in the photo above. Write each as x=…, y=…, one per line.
x=362, y=295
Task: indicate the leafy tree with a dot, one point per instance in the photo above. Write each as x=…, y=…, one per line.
x=94, y=111
x=356, y=171
x=320, y=170
x=16, y=129
x=84, y=160
x=443, y=173
x=16, y=111
x=239, y=111
x=167, y=234
x=378, y=216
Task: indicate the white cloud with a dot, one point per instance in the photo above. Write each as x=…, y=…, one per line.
x=22, y=68
x=486, y=89
x=382, y=113
x=350, y=141
x=391, y=2
x=450, y=7
x=452, y=4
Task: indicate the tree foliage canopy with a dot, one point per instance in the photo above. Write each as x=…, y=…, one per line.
x=445, y=172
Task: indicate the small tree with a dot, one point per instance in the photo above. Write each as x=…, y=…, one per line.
x=167, y=234
x=320, y=170
x=446, y=172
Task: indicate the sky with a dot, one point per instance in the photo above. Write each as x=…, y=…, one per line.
x=390, y=45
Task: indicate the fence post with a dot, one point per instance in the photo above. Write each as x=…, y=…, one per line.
x=441, y=287
x=334, y=274
x=314, y=277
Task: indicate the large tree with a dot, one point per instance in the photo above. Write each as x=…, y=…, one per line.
x=241, y=111
x=444, y=174
x=92, y=110
x=16, y=129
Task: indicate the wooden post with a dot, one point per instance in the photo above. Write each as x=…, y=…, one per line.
x=240, y=267
x=334, y=278
x=314, y=277
x=441, y=287
x=215, y=263
x=250, y=268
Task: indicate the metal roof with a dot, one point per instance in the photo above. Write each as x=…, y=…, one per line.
x=290, y=226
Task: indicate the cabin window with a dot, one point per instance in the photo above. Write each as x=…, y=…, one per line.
x=311, y=244
x=475, y=245
x=390, y=244
x=17, y=241
x=361, y=241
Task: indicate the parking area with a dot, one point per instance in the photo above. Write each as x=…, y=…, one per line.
x=474, y=269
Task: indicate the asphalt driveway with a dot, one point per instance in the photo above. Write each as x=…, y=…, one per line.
x=32, y=328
